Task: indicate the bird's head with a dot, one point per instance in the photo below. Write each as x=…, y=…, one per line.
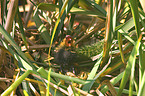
x=67, y=43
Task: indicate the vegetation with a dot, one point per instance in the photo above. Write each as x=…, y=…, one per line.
x=110, y=32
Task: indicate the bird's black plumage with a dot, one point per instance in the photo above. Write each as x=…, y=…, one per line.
x=66, y=59
x=66, y=56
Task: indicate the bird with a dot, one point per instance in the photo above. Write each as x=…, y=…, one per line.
x=67, y=57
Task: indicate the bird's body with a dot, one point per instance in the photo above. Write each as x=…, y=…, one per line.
x=66, y=56
x=66, y=59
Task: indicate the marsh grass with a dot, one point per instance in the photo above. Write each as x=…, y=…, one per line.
x=110, y=32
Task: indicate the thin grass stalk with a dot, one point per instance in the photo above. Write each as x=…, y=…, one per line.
x=127, y=71
x=120, y=48
x=119, y=36
x=143, y=40
x=44, y=73
x=41, y=27
x=2, y=12
x=14, y=91
x=28, y=15
x=113, y=82
x=22, y=29
x=48, y=85
x=10, y=40
x=56, y=25
x=90, y=78
x=16, y=83
x=56, y=89
x=142, y=86
x=108, y=33
x=132, y=78
x=11, y=15
x=135, y=13
x=26, y=87
x=33, y=89
x=116, y=66
x=17, y=57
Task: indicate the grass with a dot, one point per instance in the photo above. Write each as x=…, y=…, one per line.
x=111, y=33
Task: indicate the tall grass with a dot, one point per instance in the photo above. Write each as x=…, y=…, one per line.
x=27, y=50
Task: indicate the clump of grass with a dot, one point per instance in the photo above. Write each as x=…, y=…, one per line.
x=91, y=50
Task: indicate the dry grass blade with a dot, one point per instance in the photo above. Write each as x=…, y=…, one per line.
x=11, y=15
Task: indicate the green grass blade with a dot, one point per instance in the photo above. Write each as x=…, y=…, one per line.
x=143, y=52
x=126, y=36
x=113, y=81
x=141, y=91
x=135, y=13
x=26, y=88
x=125, y=91
x=47, y=93
x=23, y=58
x=90, y=5
x=56, y=24
x=21, y=29
x=131, y=60
x=108, y=33
x=44, y=73
x=48, y=7
x=120, y=47
x=17, y=57
x=126, y=26
x=42, y=29
x=74, y=10
x=131, y=84
x=16, y=83
x=91, y=76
